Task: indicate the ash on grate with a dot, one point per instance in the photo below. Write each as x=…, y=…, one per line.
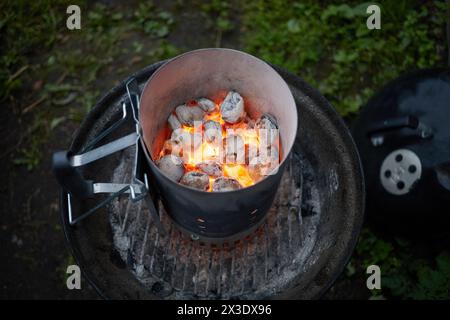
x=267, y=262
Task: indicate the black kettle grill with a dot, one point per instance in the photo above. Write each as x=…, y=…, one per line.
x=403, y=137
x=297, y=252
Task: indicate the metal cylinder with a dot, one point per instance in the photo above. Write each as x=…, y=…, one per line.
x=205, y=73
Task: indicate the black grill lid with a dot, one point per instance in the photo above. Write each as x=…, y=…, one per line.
x=403, y=136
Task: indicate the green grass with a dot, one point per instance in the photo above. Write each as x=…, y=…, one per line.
x=330, y=46
x=327, y=44
x=71, y=64
x=24, y=25
x=403, y=273
x=218, y=13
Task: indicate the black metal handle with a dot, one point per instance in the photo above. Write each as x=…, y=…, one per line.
x=394, y=124
x=377, y=132
x=70, y=178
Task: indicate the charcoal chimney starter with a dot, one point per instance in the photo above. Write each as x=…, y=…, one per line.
x=216, y=216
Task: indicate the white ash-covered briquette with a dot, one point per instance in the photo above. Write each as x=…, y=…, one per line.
x=213, y=131
x=267, y=129
x=188, y=115
x=234, y=149
x=196, y=179
x=270, y=155
x=264, y=164
x=232, y=107
x=179, y=135
x=251, y=152
x=225, y=184
x=187, y=139
x=267, y=121
x=172, y=147
x=211, y=168
x=206, y=105
x=172, y=166
x=173, y=121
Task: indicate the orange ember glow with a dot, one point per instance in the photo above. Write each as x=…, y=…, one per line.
x=214, y=151
x=216, y=116
x=238, y=172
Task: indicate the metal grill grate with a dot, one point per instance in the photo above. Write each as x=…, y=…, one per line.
x=259, y=266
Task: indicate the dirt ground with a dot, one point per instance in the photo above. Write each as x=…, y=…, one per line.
x=34, y=253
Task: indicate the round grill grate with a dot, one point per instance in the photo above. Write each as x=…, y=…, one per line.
x=298, y=252
x=174, y=266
